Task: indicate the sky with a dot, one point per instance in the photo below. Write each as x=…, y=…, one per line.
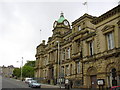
x=25, y=23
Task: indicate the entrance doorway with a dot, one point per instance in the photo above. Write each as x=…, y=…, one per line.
x=93, y=81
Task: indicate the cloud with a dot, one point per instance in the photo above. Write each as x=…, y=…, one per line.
x=20, y=24
x=57, y=0
x=17, y=36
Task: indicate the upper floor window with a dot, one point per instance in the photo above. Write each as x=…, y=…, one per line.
x=108, y=31
x=45, y=73
x=69, y=52
x=45, y=60
x=78, y=67
x=79, y=28
x=110, y=40
x=67, y=70
x=77, y=46
x=71, y=69
x=62, y=71
x=63, y=54
x=91, y=51
x=52, y=56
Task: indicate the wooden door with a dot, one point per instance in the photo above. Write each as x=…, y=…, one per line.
x=94, y=81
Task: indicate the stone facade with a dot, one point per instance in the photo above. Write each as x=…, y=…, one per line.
x=84, y=54
x=7, y=71
x=0, y=70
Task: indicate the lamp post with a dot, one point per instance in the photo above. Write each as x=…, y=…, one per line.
x=59, y=74
x=21, y=68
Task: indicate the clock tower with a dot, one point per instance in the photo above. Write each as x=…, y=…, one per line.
x=61, y=25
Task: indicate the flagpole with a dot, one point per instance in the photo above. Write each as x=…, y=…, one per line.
x=40, y=35
x=86, y=6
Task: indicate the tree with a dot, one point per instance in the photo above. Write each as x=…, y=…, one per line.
x=28, y=69
x=30, y=63
x=16, y=72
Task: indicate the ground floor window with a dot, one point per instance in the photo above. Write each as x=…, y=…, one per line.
x=78, y=83
x=118, y=80
x=113, y=78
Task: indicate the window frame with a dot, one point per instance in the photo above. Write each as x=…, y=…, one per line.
x=78, y=67
x=91, y=47
x=110, y=40
x=79, y=28
x=69, y=53
x=67, y=70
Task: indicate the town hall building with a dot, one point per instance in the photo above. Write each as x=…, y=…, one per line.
x=86, y=53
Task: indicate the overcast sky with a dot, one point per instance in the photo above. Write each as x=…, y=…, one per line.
x=22, y=20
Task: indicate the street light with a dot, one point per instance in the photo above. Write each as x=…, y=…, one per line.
x=21, y=68
x=59, y=75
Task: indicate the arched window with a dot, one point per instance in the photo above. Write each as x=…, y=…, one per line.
x=114, y=77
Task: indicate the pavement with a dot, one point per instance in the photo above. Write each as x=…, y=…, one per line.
x=0, y=82
x=48, y=86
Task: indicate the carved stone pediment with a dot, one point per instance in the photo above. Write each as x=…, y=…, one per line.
x=108, y=28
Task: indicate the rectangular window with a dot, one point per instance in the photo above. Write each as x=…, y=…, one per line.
x=63, y=55
x=77, y=46
x=79, y=28
x=71, y=70
x=110, y=41
x=62, y=71
x=46, y=61
x=54, y=72
x=47, y=58
x=53, y=56
x=91, y=51
x=67, y=70
x=78, y=67
x=45, y=73
x=68, y=52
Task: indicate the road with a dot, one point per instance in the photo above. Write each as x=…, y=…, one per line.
x=13, y=84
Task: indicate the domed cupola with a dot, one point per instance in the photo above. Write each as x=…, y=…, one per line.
x=61, y=19
x=61, y=22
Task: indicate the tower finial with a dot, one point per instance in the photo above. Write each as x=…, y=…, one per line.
x=62, y=14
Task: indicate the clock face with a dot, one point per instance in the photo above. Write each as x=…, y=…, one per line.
x=66, y=23
x=55, y=24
